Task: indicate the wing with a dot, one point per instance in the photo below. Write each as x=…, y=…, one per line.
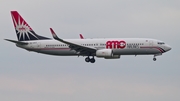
x=81, y=50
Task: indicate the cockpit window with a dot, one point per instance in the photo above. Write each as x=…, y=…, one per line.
x=161, y=43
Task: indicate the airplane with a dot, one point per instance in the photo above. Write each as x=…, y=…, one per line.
x=107, y=48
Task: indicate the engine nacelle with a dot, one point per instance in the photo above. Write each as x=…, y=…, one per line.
x=104, y=53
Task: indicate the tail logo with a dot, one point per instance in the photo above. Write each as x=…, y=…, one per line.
x=23, y=30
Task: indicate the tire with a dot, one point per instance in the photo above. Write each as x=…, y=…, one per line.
x=87, y=59
x=154, y=59
x=92, y=60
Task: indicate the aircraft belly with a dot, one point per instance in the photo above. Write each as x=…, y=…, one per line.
x=59, y=52
x=135, y=51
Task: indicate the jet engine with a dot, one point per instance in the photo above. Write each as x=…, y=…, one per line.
x=107, y=54
x=104, y=53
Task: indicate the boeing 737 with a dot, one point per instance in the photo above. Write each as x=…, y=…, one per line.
x=108, y=48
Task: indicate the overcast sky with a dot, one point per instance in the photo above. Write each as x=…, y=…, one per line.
x=29, y=76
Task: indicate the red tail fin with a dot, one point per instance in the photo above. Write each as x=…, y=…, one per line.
x=23, y=30
x=18, y=20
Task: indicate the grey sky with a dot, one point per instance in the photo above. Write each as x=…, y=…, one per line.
x=29, y=76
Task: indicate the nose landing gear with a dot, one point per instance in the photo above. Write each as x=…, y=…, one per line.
x=154, y=59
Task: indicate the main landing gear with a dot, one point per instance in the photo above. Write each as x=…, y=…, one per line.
x=92, y=60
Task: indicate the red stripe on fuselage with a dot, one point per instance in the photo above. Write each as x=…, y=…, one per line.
x=158, y=48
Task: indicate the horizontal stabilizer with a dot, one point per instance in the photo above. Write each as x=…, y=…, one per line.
x=17, y=42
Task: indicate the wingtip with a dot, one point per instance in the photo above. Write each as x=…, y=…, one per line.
x=81, y=36
x=53, y=33
x=51, y=30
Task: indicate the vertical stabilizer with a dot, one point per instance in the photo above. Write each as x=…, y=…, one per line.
x=23, y=30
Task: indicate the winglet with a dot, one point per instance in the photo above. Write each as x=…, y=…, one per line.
x=81, y=36
x=54, y=35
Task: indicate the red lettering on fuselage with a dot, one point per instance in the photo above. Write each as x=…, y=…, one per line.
x=115, y=44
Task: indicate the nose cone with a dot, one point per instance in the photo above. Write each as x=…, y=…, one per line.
x=168, y=48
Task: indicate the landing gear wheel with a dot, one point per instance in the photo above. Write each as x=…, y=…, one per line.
x=154, y=59
x=92, y=60
x=87, y=59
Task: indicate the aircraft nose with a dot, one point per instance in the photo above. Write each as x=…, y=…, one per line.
x=168, y=48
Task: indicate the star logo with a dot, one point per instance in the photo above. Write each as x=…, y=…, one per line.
x=22, y=29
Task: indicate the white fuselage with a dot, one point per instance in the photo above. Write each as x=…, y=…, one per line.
x=125, y=46
x=110, y=48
